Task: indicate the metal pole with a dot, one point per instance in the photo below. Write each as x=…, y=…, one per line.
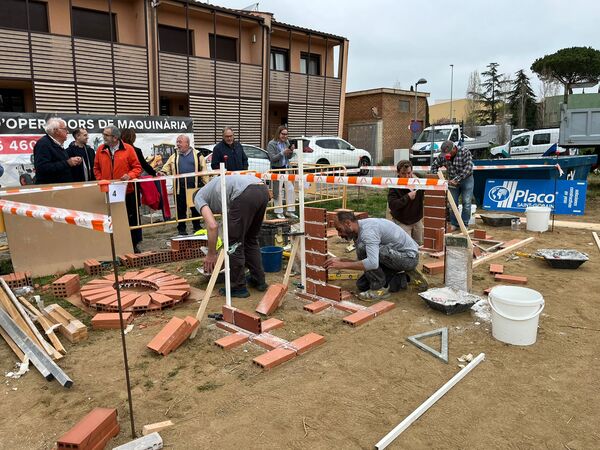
x=301, y=194
x=225, y=233
x=451, y=86
x=416, y=106
x=123, y=344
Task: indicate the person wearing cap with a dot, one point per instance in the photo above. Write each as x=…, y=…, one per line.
x=459, y=164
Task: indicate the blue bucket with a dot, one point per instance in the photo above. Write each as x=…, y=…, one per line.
x=271, y=258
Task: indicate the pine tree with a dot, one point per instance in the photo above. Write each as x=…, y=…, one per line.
x=491, y=96
x=521, y=101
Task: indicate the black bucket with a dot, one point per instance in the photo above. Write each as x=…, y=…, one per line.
x=266, y=236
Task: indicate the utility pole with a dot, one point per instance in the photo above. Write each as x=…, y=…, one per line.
x=451, y=86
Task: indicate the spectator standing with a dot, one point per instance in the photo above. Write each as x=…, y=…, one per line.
x=230, y=152
x=406, y=205
x=79, y=147
x=51, y=161
x=116, y=160
x=128, y=136
x=280, y=152
x=185, y=160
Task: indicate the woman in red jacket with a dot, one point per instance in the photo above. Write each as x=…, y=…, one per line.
x=116, y=160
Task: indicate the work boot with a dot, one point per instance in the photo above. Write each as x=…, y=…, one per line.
x=261, y=287
x=291, y=215
x=238, y=293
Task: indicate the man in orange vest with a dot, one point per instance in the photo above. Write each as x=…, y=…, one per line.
x=116, y=160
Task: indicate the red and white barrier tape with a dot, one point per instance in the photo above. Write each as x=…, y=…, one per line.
x=501, y=167
x=92, y=221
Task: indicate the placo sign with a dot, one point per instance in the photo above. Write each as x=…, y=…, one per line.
x=566, y=196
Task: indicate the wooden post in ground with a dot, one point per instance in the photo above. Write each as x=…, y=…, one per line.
x=461, y=224
x=208, y=292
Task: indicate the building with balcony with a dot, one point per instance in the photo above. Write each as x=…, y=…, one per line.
x=222, y=67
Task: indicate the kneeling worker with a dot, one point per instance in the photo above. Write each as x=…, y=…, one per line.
x=384, y=251
x=247, y=198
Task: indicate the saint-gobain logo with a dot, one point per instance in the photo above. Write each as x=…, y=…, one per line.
x=498, y=193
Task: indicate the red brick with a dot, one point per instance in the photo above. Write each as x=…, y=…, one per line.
x=477, y=252
x=381, y=307
x=329, y=291
x=437, y=255
x=359, y=317
x=433, y=193
x=315, y=230
x=361, y=215
x=434, y=268
x=315, y=215
x=175, y=295
x=232, y=341
x=434, y=222
x=98, y=426
x=272, y=299
x=165, y=338
x=315, y=259
x=496, y=268
x=316, y=307
x=438, y=243
x=513, y=279
x=92, y=299
x=435, y=201
x=271, y=324
x=318, y=275
x=268, y=341
x=274, y=358
x=347, y=295
x=228, y=312
x=103, y=303
x=316, y=245
x=306, y=342
x=428, y=243
x=434, y=211
x=142, y=302
x=487, y=291
x=230, y=328
x=479, y=234
x=347, y=306
x=247, y=321
x=110, y=320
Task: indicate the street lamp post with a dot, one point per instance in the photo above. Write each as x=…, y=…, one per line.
x=421, y=81
x=451, y=86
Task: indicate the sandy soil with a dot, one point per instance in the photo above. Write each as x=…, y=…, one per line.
x=352, y=390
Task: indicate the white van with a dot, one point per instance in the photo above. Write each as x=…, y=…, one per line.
x=530, y=143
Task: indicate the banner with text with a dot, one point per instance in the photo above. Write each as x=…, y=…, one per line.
x=565, y=196
x=19, y=132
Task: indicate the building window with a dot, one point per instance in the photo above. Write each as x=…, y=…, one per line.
x=223, y=48
x=172, y=40
x=92, y=24
x=310, y=63
x=14, y=15
x=12, y=100
x=404, y=106
x=279, y=59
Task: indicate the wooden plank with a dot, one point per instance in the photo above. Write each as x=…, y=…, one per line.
x=290, y=264
x=504, y=251
x=208, y=292
x=462, y=226
x=15, y=348
x=46, y=325
x=597, y=239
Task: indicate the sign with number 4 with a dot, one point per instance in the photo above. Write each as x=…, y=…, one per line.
x=116, y=193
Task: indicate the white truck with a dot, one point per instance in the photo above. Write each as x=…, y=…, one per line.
x=420, y=152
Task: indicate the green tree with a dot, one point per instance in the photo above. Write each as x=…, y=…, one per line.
x=569, y=66
x=521, y=100
x=491, y=94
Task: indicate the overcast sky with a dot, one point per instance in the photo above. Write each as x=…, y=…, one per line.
x=394, y=43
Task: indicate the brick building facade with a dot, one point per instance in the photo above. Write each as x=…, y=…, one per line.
x=378, y=119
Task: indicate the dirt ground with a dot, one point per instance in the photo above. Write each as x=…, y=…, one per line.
x=351, y=391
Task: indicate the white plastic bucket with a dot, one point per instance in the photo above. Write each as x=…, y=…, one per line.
x=515, y=314
x=538, y=218
x=473, y=211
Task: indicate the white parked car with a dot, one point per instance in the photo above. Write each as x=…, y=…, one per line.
x=258, y=159
x=331, y=150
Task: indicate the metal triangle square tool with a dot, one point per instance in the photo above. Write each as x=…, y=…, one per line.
x=443, y=353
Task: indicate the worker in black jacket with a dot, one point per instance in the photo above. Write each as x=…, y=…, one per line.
x=51, y=161
x=79, y=147
x=230, y=152
x=406, y=205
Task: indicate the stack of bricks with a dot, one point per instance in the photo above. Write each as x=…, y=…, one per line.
x=245, y=327
x=315, y=229
x=144, y=259
x=182, y=249
x=174, y=333
x=92, y=267
x=92, y=432
x=71, y=328
x=66, y=285
x=434, y=220
x=17, y=279
x=107, y=321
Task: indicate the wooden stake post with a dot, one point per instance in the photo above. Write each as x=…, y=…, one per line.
x=461, y=224
x=208, y=292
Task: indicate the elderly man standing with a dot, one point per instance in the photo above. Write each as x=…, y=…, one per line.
x=385, y=252
x=247, y=198
x=116, y=160
x=230, y=152
x=51, y=161
x=186, y=160
x=459, y=163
